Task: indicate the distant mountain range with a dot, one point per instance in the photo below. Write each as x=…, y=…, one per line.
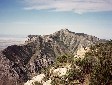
x=19, y=63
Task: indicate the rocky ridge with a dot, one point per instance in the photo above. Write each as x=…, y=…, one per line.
x=19, y=63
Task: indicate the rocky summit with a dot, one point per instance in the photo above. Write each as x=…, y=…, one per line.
x=19, y=63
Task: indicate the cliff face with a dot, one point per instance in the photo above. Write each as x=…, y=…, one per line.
x=20, y=63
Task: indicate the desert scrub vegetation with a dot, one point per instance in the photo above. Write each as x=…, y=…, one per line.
x=37, y=83
x=62, y=60
x=98, y=63
x=73, y=76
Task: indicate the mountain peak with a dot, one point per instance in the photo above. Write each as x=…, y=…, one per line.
x=64, y=30
x=39, y=52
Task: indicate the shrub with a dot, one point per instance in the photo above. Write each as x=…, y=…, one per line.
x=64, y=59
x=37, y=83
x=98, y=63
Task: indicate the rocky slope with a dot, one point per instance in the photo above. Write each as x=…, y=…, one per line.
x=20, y=63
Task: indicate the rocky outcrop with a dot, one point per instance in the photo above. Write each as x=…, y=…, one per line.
x=20, y=63
x=39, y=78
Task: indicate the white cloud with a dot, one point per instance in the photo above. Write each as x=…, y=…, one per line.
x=77, y=6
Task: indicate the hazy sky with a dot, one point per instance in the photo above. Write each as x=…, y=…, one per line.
x=23, y=17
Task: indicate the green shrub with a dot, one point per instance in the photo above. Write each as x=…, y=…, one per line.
x=64, y=59
x=37, y=83
x=98, y=63
x=58, y=81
